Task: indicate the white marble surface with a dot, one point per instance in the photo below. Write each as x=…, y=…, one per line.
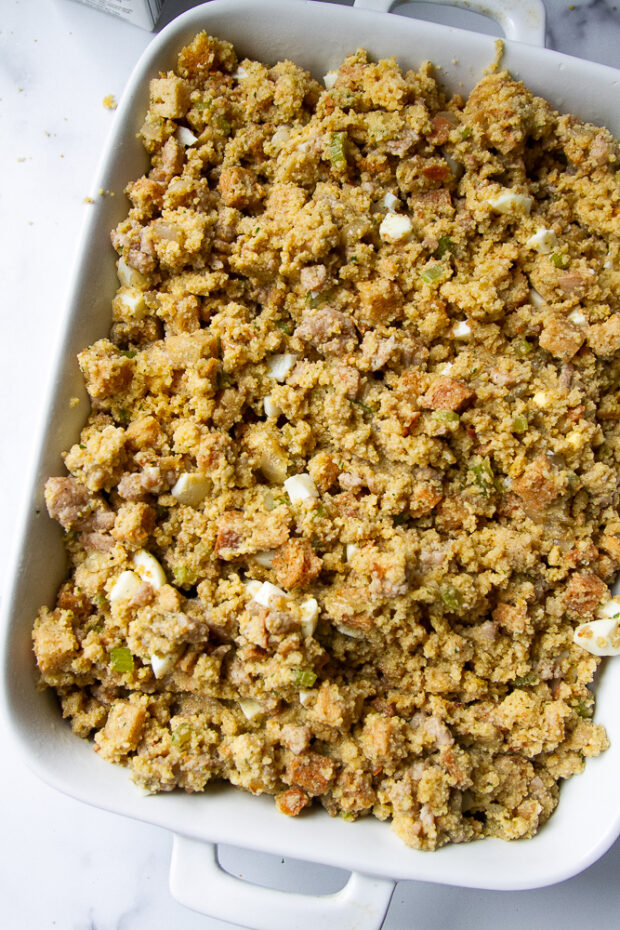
x=64, y=865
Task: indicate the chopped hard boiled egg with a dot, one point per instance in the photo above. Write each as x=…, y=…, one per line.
x=537, y=300
x=161, y=665
x=544, y=241
x=268, y=593
x=185, y=136
x=509, y=201
x=461, y=330
x=132, y=302
x=126, y=585
x=395, y=227
x=390, y=202
x=600, y=637
x=251, y=708
x=265, y=557
x=191, y=489
x=271, y=409
x=280, y=364
x=149, y=569
x=129, y=276
x=577, y=317
x=309, y=615
x=253, y=587
x=330, y=79
x=300, y=488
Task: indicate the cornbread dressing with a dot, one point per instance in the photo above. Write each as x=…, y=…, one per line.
x=349, y=482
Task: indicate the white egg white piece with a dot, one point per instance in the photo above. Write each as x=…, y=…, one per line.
x=253, y=587
x=268, y=593
x=543, y=241
x=251, y=708
x=271, y=409
x=309, y=610
x=185, y=136
x=395, y=227
x=132, y=302
x=129, y=276
x=162, y=665
x=280, y=364
x=390, y=202
x=126, y=585
x=510, y=201
x=191, y=488
x=599, y=637
x=149, y=569
x=461, y=330
x=265, y=557
x=300, y=488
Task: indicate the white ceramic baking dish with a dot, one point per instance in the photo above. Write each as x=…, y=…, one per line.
x=587, y=822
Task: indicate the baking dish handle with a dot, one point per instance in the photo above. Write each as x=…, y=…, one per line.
x=521, y=22
x=198, y=881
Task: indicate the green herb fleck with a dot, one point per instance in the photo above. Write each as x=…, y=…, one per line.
x=466, y=132
x=286, y=326
x=129, y=353
x=365, y=407
x=303, y=677
x=451, y=596
x=121, y=659
x=100, y=600
x=524, y=681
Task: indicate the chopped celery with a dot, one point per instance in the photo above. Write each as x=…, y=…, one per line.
x=451, y=596
x=559, y=259
x=184, y=576
x=520, y=424
x=121, y=659
x=303, y=677
x=483, y=475
x=445, y=245
x=522, y=346
x=449, y=417
x=182, y=735
x=432, y=274
x=584, y=709
x=336, y=149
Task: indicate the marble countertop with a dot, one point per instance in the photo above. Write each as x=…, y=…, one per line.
x=65, y=865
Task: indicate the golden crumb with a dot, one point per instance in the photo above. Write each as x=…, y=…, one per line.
x=74, y=400
x=109, y=102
